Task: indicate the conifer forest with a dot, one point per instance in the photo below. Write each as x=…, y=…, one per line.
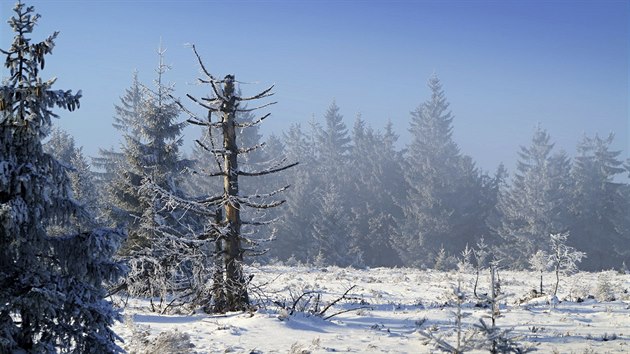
x=328, y=235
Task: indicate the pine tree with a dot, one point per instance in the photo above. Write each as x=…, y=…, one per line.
x=443, y=186
x=111, y=162
x=598, y=207
x=332, y=231
x=333, y=146
x=152, y=137
x=333, y=245
x=294, y=228
x=536, y=203
x=61, y=146
x=375, y=184
x=51, y=288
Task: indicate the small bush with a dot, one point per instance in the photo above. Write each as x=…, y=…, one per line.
x=172, y=342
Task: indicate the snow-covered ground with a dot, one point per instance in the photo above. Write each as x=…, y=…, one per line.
x=387, y=309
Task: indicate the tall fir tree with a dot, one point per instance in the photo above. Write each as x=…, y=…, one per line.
x=376, y=188
x=441, y=185
x=116, y=202
x=598, y=208
x=61, y=146
x=152, y=138
x=51, y=288
x=295, y=225
x=536, y=203
x=333, y=148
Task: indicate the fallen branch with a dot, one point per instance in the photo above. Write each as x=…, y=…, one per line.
x=348, y=310
x=323, y=311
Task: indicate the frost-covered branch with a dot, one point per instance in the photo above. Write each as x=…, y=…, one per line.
x=253, y=123
x=263, y=94
x=268, y=171
x=256, y=108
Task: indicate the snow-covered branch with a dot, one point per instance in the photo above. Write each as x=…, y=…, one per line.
x=268, y=171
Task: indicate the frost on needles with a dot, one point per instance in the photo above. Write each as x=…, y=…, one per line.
x=51, y=292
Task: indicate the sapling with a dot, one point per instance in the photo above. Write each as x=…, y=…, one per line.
x=480, y=253
x=441, y=260
x=464, y=265
x=605, y=289
x=539, y=262
x=465, y=340
x=563, y=258
x=498, y=340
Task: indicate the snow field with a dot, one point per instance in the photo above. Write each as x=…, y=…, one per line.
x=387, y=308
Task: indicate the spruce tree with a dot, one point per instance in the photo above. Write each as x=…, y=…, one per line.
x=536, y=204
x=376, y=188
x=295, y=225
x=598, y=208
x=443, y=196
x=61, y=146
x=51, y=288
x=332, y=231
x=147, y=117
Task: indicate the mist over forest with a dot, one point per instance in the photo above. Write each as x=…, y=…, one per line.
x=231, y=233
x=358, y=199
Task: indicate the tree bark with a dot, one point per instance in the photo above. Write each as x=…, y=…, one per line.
x=236, y=287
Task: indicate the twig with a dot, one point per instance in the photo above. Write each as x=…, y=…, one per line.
x=348, y=310
x=322, y=312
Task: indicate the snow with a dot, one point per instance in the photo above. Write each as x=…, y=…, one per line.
x=392, y=306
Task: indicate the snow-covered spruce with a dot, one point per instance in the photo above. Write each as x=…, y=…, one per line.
x=51, y=287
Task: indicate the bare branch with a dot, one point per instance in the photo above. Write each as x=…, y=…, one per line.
x=255, y=108
x=347, y=310
x=259, y=205
x=250, y=149
x=249, y=124
x=265, y=93
x=267, y=195
x=323, y=311
x=203, y=67
x=213, y=80
x=268, y=171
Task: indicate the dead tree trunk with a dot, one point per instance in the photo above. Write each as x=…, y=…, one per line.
x=230, y=284
x=237, y=297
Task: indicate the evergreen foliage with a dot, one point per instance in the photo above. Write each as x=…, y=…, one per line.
x=599, y=209
x=61, y=146
x=51, y=287
x=150, y=152
x=444, y=196
x=536, y=204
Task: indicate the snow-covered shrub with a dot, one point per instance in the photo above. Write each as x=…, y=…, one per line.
x=539, y=262
x=605, y=289
x=172, y=342
x=563, y=258
x=463, y=264
x=444, y=262
x=579, y=288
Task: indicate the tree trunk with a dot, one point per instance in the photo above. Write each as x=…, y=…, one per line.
x=476, y=282
x=235, y=286
x=555, y=290
x=218, y=278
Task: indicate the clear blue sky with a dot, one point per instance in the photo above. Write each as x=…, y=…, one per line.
x=505, y=65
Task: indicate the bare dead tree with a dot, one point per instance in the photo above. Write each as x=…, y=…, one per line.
x=229, y=290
